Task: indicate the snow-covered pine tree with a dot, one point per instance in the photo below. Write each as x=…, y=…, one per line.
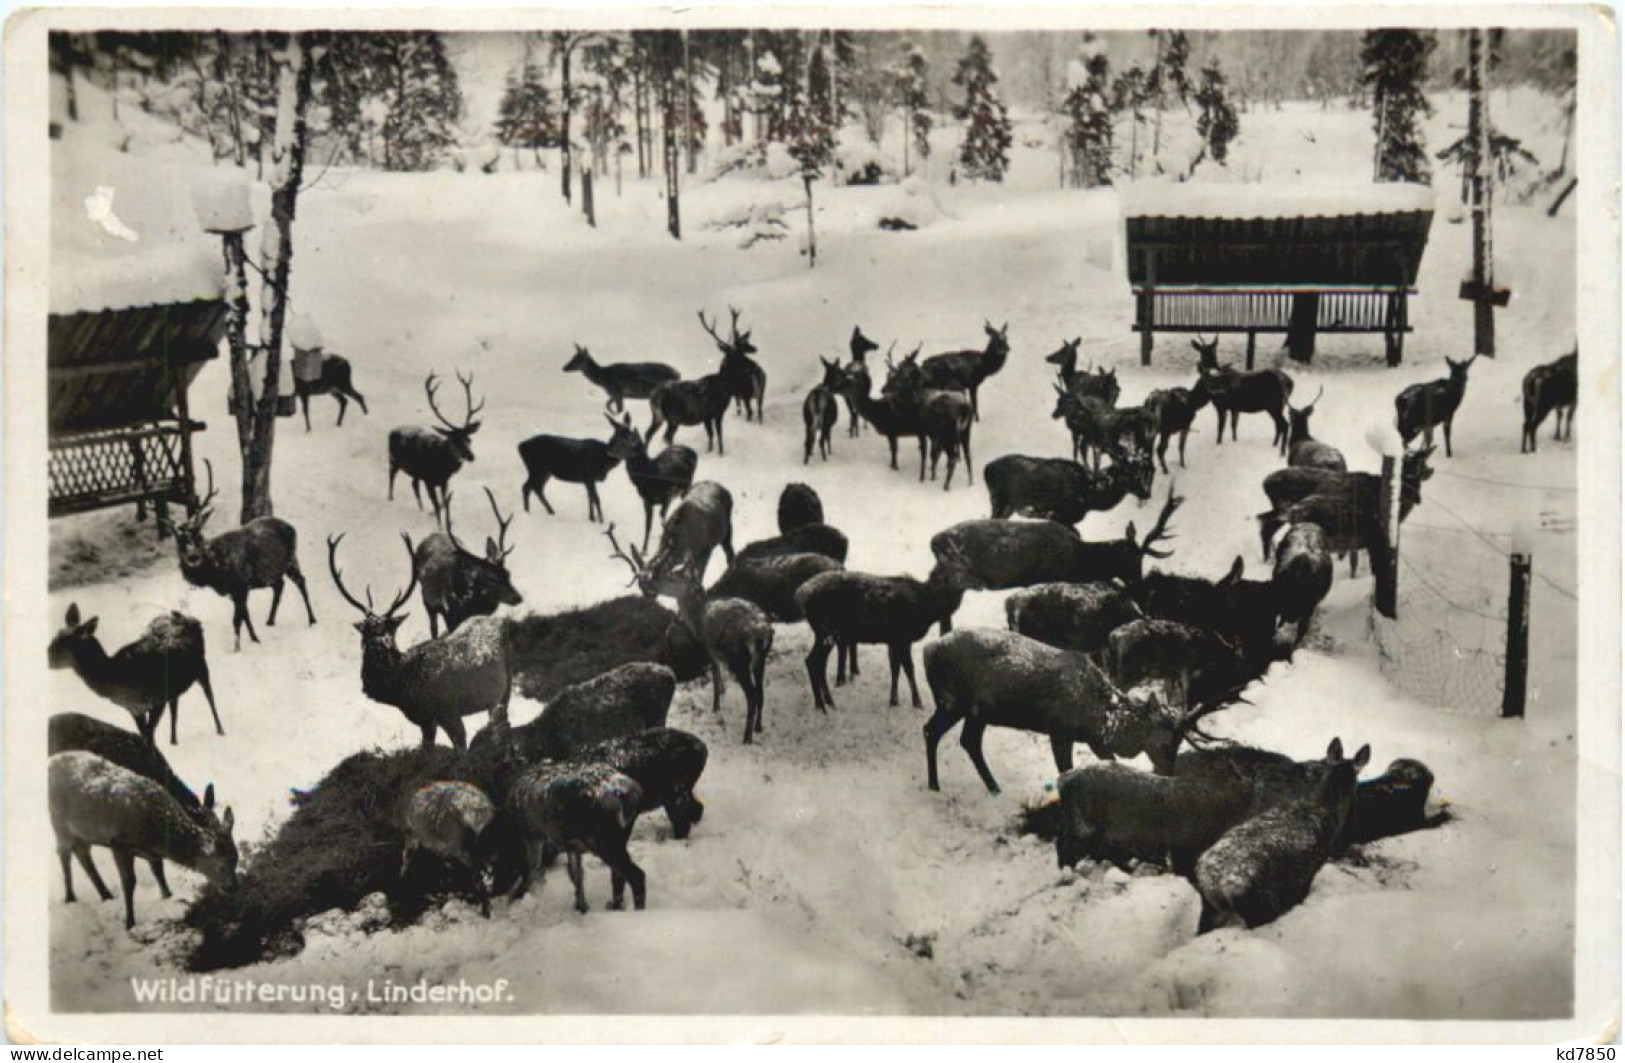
x=813, y=123
x=984, y=153
x=1088, y=136
x=912, y=75
x=410, y=75
x=1395, y=63
x=1167, y=77
x=526, y=116
x=1129, y=96
x=1216, y=122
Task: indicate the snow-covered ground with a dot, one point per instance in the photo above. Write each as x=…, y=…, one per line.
x=825, y=877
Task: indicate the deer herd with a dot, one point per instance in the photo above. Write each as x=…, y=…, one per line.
x=1098, y=649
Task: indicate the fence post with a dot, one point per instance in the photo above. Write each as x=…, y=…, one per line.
x=586, y=196
x=1385, y=563
x=1517, y=649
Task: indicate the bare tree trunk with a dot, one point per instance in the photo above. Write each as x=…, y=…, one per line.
x=237, y=339
x=688, y=105
x=637, y=119
x=812, y=235
x=671, y=160
x=564, y=140
x=293, y=101
x=1481, y=174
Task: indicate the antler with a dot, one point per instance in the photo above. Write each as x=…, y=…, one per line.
x=635, y=562
x=889, y=350
x=338, y=577
x=203, y=509
x=431, y=385
x=711, y=328
x=468, y=398
x=503, y=550
x=1159, y=530
x=411, y=586
x=733, y=324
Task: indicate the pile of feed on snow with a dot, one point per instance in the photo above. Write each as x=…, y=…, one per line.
x=556, y=651
x=339, y=846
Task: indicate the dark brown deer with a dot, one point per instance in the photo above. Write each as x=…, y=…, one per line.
x=659, y=480
x=144, y=676
x=334, y=381
x=1553, y=386
x=435, y=683
x=819, y=411
x=702, y=521
x=889, y=415
x=1175, y=412
x=1061, y=490
x=577, y=461
x=1423, y=407
x=1303, y=449
x=859, y=346
x=967, y=370
x=261, y=553
x=459, y=584
x=944, y=417
x=432, y=456
x=577, y=808
x=1234, y=392
x=747, y=380
x=621, y=380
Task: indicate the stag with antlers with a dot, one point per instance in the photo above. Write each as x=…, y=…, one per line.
x=459, y=584
x=435, y=683
x=747, y=380
x=261, y=553
x=431, y=456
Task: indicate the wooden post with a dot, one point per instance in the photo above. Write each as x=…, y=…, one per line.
x=1148, y=307
x=807, y=177
x=586, y=196
x=1386, y=566
x=1252, y=346
x=1517, y=650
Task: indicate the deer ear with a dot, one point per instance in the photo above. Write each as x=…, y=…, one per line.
x=208, y=796
x=1130, y=534
x=361, y=626
x=228, y=821
x=89, y=626
x=395, y=622
x=1237, y=567
x=1335, y=750
x=492, y=554
x=1363, y=757
x=73, y=615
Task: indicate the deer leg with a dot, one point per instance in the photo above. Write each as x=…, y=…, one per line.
x=716, y=685
x=157, y=865
x=906, y=655
x=407, y=850
x=578, y=879
x=147, y=724
x=1221, y=423
x=248, y=622
x=298, y=577
x=1447, y=424
x=434, y=625
x=970, y=739
x=593, y=509
x=417, y=490
x=174, y=716
x=208, y=693
x=124, y=860
x=1162, y=451
x=1182, y=437
x=66, y=856
x=304, y=405
x=1235, y=424
x=759, y=680
x=851, y=649
x=940, y=723
x=722, y=449
x=82, y=853
x=891, y=441
x=817, y=675
x=840, y=663
x=896, y=663
x=953, y=463
x=276, y=600
x=922, y=461
x=453, y=726
x=427, y=730
x=539, y=485
x=344, y=404
x=1061, y=748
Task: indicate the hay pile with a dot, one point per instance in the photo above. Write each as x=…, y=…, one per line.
x=339, y=846
x=553, y=652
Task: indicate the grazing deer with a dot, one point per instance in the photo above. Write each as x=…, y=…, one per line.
x=1553, y=386
x=1303, y=575
x=799, y=506
x=966, y=370
x=1062, y=490
x=435, y=683
x=1422, y=407
x=621, y=380
x=848, y=609
x=96, y=802
x=819, y=411
x=736, y=633
x=859, y=346
x=459, y=584
x=144, y=676
x=432, y=456
x=578, y=808
x=262, y=553
x=449, y=819
x=944, y=417
x=993, y=678
x=702, y=521
x=1303, y=449
x=1264, y=866
x=1175, y=411
x=334, y=381
x=658, y=480
x=577, y=461
x=747, y=380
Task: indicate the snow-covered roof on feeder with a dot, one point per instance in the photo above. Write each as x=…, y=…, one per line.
x=1236, y=235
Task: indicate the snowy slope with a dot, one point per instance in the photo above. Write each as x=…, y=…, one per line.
x=823, y=860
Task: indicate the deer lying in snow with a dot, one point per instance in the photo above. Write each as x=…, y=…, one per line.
x=95, y=802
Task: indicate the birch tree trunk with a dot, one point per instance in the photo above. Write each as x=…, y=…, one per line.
x=276, y=262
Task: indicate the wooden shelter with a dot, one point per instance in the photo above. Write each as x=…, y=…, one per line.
x=1210, y=258
x=120, y=423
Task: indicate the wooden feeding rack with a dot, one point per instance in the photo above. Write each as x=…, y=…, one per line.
x=1206, y=258
x=120, y=426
